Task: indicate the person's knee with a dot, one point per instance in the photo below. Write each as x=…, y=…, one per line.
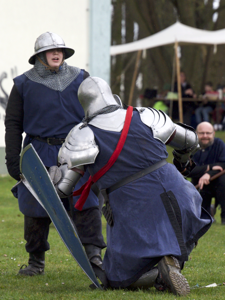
x=220, y=182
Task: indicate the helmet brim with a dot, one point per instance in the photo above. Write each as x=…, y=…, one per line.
x=68, y=52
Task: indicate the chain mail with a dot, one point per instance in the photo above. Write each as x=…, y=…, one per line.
x=57, y=81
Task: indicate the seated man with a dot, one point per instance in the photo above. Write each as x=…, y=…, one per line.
x=188, y=106
x=219, y=113
x=209, y=160
x=206, y=107
x=154, y=215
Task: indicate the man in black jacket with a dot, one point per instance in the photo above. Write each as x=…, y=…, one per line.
x=209, y=161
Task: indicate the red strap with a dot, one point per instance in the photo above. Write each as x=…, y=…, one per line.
x=85, y=189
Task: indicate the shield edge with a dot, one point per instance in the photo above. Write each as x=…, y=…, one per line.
x=26, y=183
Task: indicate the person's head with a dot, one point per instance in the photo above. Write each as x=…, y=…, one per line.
x=95, y=94
x=54, y=58
x=208, y=87
x=52, y=47
x=182, y=77
x=206, y=134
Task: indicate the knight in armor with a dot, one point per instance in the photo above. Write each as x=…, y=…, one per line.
x=154, y=214
x=44, y=105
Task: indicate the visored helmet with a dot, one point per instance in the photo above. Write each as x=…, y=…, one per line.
x=94, y=94
x=48, y=41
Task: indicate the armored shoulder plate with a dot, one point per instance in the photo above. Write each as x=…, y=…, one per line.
x=79, y=147
x=162, y=126
x=113, y=121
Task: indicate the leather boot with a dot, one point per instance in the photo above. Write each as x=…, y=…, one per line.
x=146, y=281
x=94, y=255
x=36, y=264
x=171, y=277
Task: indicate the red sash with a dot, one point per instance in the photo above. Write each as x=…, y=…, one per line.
x=85, y=189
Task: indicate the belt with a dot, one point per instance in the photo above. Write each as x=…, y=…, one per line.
x=136, y=176
x=107, y=210
x=50, y=140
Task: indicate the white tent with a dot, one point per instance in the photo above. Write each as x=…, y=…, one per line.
x=175, y=33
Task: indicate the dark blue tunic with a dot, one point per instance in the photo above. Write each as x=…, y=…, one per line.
x=143, y=230
x=48, y=113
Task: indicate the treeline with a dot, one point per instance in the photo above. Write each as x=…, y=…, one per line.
x=134, y=19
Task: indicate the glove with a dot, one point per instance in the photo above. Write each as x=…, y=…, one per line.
x=181, y=156
x=13, y=166
x=184, y=168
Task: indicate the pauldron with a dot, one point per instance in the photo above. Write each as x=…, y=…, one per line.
x=79, y=148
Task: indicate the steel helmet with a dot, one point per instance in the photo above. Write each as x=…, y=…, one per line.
x=48, y=41
x=94, y=94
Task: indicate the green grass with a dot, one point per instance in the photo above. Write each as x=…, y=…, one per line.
x=64, y=279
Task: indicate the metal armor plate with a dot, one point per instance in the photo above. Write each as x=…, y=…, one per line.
x=161, y=124
x=113, y=121
x=79, y=148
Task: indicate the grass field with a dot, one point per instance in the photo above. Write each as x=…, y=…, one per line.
x=64, y=279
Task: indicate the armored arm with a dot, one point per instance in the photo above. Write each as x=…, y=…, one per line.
x=78, y=150
x=65, y=179
x=181, y=137
x=185, y=144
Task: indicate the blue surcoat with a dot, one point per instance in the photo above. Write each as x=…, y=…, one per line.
x=48, y=113
x=143, y=229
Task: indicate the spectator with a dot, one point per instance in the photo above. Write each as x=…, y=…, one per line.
x=218, y=113
x=202, y=112
x=188, y=106
x=209, y=160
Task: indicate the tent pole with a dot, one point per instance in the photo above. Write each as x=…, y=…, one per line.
x=172, y=85
x=134, y=77
x=178, y=84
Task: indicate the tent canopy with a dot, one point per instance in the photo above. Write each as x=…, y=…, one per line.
x=175, y=33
